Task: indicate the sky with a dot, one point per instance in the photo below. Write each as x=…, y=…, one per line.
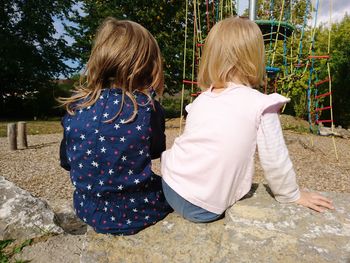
x=339, y=8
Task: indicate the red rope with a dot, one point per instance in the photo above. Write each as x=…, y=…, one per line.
x=323, y=95
x=324, y=108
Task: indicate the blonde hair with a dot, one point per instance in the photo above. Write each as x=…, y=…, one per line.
x=124, y=55
x=233, y=52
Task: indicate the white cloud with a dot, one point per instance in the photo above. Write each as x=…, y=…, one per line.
x=339, y=8
x=335, y=8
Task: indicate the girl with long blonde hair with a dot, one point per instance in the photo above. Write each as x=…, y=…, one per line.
x=211, y=165
x=113, y=128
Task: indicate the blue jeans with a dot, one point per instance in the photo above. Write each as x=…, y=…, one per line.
x=186, y=209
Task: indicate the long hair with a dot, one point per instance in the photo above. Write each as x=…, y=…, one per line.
x=124, y=55
x=233, y=52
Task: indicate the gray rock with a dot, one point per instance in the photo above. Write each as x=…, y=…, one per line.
x=57, y=249
x=66, y=217
x=337, y=131
x=23, y=216
x=256, y=229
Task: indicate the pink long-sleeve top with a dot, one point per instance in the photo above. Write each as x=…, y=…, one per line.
x=212, y=163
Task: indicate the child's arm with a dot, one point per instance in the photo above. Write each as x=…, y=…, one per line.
x=158, y=138
x=278, y=167
x=63, y=153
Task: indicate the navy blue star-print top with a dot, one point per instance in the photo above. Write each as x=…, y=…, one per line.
x=116, y=191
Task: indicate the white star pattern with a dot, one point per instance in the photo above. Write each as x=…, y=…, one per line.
x=113, y=158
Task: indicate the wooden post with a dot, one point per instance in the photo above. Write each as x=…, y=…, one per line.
x=22, y=134
x=12, y=136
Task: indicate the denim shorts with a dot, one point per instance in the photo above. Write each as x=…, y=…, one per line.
x=186, y=209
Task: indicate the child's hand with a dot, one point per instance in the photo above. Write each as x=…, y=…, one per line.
x=314, y=201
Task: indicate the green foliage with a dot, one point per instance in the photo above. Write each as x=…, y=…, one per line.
x=163, y=18
x=172, y=106
x=5, y=256
x=340, y=67
x=31, y=55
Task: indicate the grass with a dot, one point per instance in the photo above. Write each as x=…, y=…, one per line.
x=7, y=254
x=35, y=127
x=172, y=110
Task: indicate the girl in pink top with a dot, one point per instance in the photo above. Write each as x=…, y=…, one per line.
x=211, y=165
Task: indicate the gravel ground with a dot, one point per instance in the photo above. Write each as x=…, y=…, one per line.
x=37, y=169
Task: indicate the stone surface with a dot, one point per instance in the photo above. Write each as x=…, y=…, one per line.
x=57, y=249
x=337, y=131
x=256, y=229
x=23, y=216
x=66, y=217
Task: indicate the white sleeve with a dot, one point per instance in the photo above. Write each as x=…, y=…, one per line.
x=275, y=160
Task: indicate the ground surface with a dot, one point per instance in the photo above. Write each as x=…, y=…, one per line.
x=37, y=169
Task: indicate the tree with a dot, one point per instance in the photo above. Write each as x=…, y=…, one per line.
x=340, y=68
x=31, y=56
x=163, y=18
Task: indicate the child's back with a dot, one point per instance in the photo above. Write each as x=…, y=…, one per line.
x=116, y=190
x=217, y=147
x=211, y=165
x=113, y=129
